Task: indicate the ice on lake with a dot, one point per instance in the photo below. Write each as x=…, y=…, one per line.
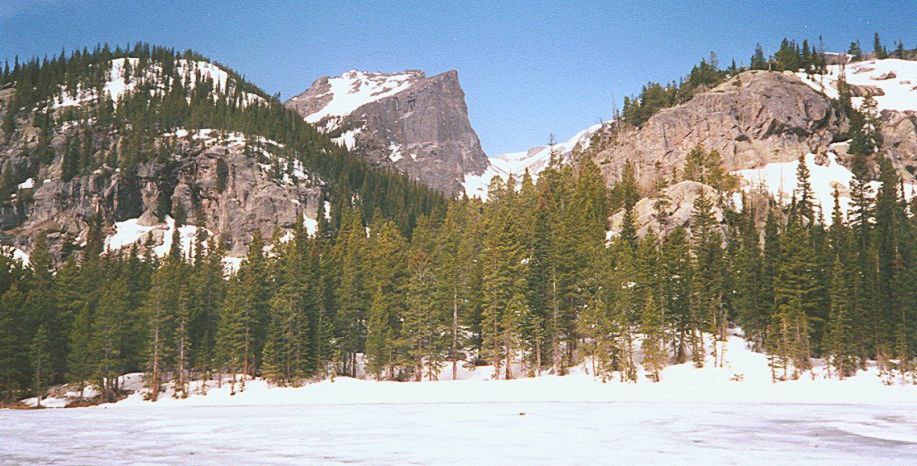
x=465, y=433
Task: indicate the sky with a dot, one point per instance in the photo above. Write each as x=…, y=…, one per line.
x=528, y=69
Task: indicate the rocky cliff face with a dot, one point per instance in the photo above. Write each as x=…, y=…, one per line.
x=752, y=119
x=229, y=184
x=416, y=124
x=210, y=177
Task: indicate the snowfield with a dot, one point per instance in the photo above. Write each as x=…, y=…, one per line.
x=744, y=377
x=779, y=180
x=355, y=89
x=894, y=80
x=730, y=414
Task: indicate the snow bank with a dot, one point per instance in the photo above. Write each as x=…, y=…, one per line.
x=27, y=184
x=779, y=180
x=348, y=139
x=899, y=92
x=744, y=377
x=21, y=256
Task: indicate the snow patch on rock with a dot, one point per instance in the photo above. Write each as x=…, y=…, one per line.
x=354, y=89
x=27, y=184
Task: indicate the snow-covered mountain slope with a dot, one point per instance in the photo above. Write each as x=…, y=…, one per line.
x=779, y=180
x=124, y=79
x=534, y=160
x=343, y=94
x=892, y=82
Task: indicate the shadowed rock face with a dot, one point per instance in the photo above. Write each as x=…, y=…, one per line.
x=754, y=118
x=422, y=130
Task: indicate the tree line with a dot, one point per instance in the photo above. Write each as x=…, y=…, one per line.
x=527, y=283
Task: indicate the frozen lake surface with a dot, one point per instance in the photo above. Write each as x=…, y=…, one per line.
x=466, y=433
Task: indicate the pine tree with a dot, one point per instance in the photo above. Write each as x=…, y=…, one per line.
x=625, y=193
x=272, y=360
x=748, y=280
x=234, y=334
x=878, y=49
x=423, y=320
x=865, y=128
x=503, y=290
x=183, y=322
x=9, y=119
x=794, y=295
x=453, y=286
x=706, y=297
x=840, y=345
x=162, y=302
x=676, y=290
x=379, y=345
x=596, y=328
x=40, y=358
x=707, y=167
x=625, y=309
x=663, y=203
x=855, y=50
x=351, y=295
x=805, y=204
x=80, y=358
x=107, y=329
x=11, y=344
x=654, y=353
x=758, y=61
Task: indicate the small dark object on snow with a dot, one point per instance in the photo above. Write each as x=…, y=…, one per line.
x=522, y=413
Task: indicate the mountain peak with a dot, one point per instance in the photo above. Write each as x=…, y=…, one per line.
x=406, y=120
x=338, y=96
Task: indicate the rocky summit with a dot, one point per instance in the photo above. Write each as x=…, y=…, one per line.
x=416, y=124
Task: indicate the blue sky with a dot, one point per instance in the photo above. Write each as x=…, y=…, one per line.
x=528, y=68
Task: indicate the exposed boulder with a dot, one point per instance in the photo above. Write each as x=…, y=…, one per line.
x=899, y=140
x=681, y=198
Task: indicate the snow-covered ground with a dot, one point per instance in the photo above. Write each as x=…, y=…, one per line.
x=131, y=231
x=743, y=377
x=779, y=180
x=896, y=79
x=729, y=414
